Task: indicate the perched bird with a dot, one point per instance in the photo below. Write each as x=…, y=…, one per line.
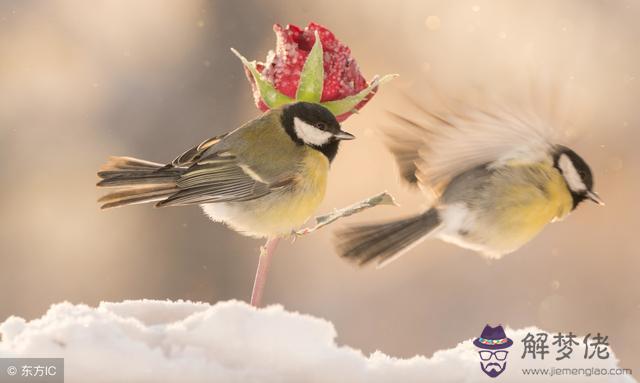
x=263, y=179
x=494, y=177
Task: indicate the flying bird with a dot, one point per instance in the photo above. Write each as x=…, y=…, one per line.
x=494, y=176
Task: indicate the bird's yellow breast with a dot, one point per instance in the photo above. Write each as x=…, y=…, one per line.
x=526, y=198
x=284, y=210
x=294, y=206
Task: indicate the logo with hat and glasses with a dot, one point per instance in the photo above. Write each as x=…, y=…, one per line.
x=493, y=343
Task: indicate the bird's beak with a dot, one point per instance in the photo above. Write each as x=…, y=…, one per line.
x=595, y=197
x=342, y=135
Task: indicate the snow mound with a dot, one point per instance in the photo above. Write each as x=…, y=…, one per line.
x=164, y=341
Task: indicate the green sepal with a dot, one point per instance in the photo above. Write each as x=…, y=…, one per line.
x=348, y=104
x=312, y=76
x=269, y=95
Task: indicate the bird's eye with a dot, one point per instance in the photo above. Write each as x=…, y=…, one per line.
x=321, y=125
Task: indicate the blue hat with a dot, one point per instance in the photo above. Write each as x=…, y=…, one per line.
x=493, y=338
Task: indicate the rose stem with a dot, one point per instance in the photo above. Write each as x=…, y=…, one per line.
x=266, y=252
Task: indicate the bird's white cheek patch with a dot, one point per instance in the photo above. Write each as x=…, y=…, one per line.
x=570, y=174
x=309, y=133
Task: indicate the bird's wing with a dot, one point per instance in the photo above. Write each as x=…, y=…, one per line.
x=222, y=179
x=192, y=155
x=219, y=170
x=442, y=143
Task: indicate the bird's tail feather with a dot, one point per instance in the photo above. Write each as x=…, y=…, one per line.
x=139, y=181
x=385, y=241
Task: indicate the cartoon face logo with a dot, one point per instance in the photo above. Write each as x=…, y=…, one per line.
x=493, y=343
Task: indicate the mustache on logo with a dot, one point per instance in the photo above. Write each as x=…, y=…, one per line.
x=498, y=367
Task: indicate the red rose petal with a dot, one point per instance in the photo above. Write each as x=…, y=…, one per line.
x=284, y=65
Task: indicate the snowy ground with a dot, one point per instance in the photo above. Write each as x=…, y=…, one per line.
x=163, y=341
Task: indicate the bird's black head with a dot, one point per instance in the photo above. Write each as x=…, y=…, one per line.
x=576, y=174
x=313, y=125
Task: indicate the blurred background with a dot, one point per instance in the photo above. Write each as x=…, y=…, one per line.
x=80, y=81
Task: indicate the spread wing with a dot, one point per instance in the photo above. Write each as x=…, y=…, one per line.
x=446, y=140
x=212, y=172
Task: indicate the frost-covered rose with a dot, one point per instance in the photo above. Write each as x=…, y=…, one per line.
x=301, y=69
